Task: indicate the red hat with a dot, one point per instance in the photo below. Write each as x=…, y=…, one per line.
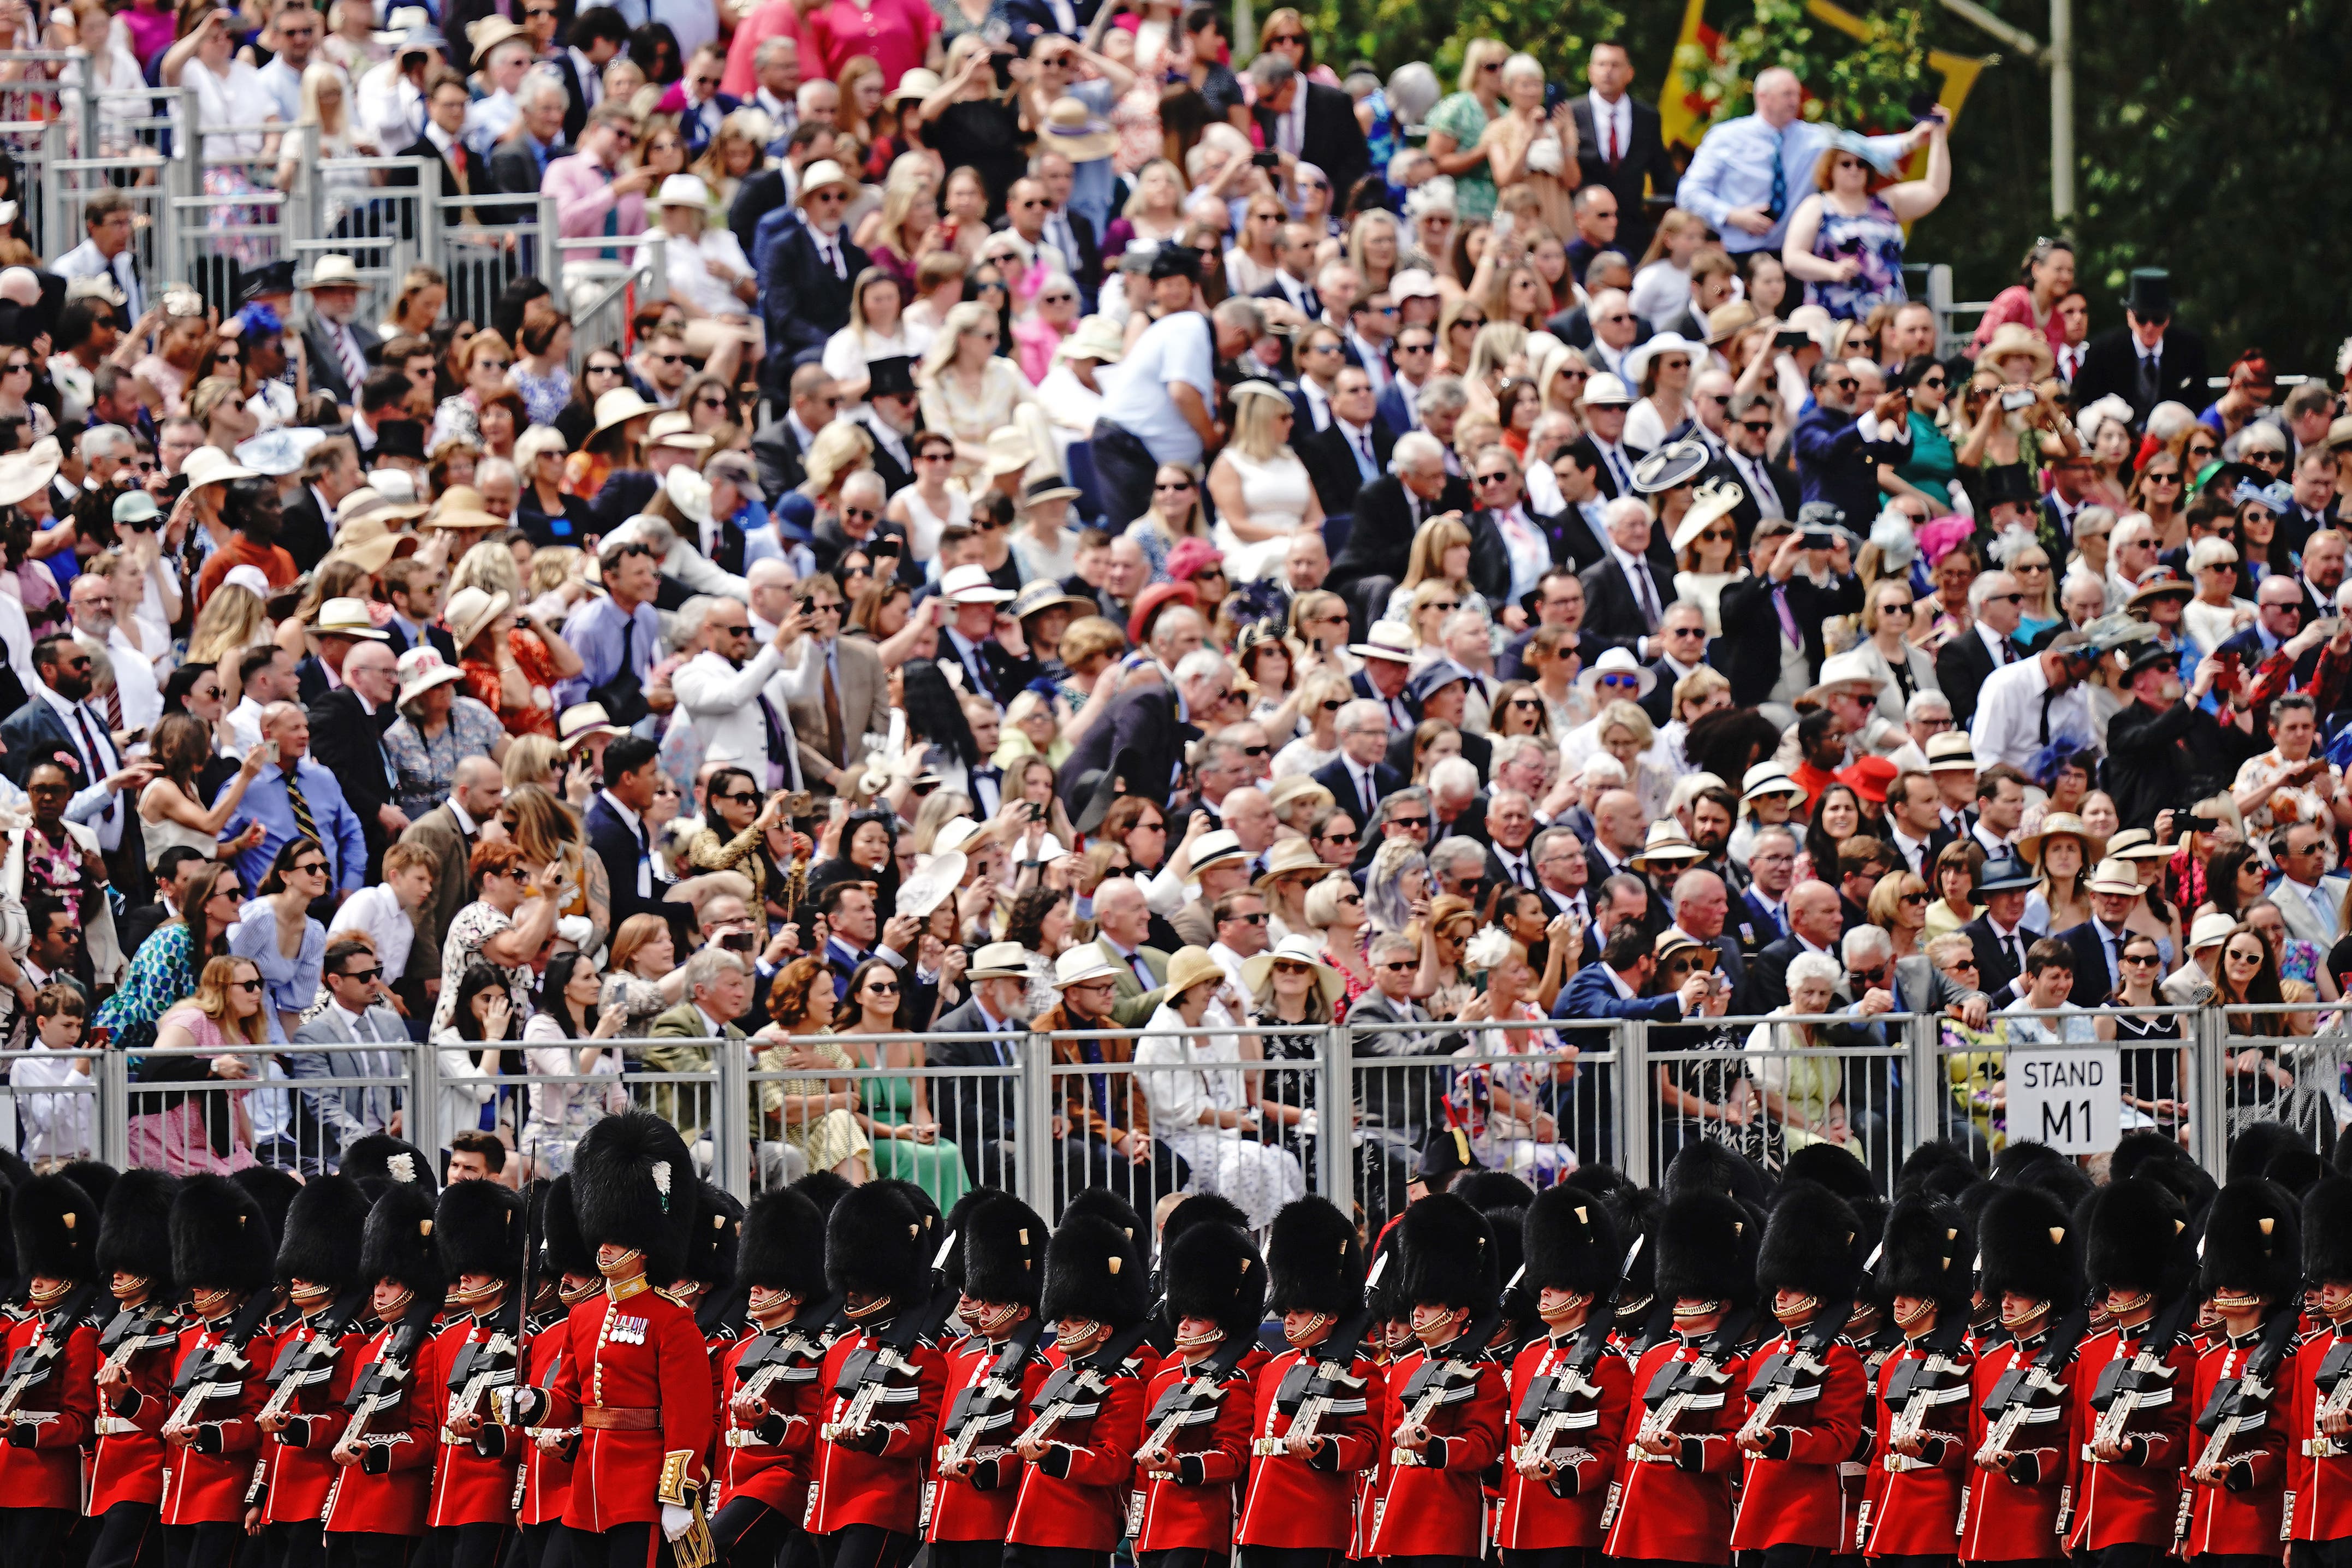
x=1869, y=778
x=1191, y=556
x=1152, y=601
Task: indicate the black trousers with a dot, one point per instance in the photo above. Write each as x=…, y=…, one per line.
x=1550, y=1557
x=301, y=1544
x=968, y=1553
x=1429, y=1561
x=545, y=1545
x=2320, y=1554
x=202, y=1545
x=2229, y=1560
x=359, y=1549
x=1019, y=1556
x=1289, y=1557
x=127, y=1537
x=35, y=1537
x=866, y=1546
x=637, y=1545
x=751, y=1534
x=2131, y=1554
x=1784, y=1557
x=1182, y=1557
x=466, y=1545
x=1124, y=469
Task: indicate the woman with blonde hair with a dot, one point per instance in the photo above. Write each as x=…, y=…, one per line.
x=732, y=157
x=1321, y=695
x=1457, y=128
x=232, y=620
x=1625, y=732
x=1374, y=250
x=1154, y=209
x=326, y=104
x=1458, y=325
x=877, y=330
x=969, y=390
x=548, y=833
x=533, y=760
x=1441, y=553
x=1898, y=905
x=840, y=449
x=417, y=306
x=489, y=566
x=905, y=229
x=1531, y=154
x=227, y=1014
x=1497, y=351
x=1263, y=492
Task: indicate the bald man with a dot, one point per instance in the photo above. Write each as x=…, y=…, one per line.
x=1816, y=920
x=347, y=728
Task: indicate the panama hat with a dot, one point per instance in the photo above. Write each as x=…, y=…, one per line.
x=1667, y=845
x=999, y=961
x=1769, y=778
x=1617, y=662
x=2012, y=338
x=918, y=84
x=1097, y=338
x=2210, y=931
x=1637, y=362
x=2058, y=823
x=1044, y=594
x=969, y=584
x=1606, y=391
x=1081, y=964
x=1292, y=787
x=619, y=406
x=333, y=271
x=1213, y=848
x=1951, y=751
x=1387, y=640
x=683, y=190
x=1258, y=971
x=2137, y=844
x=1072, y=130
x=1190, y=966
x=462, y=507
x=583, y=719
x=823, y=173
x=2116, y=877
x=346, y=618
x=1008, y=452
x=1290, y=858
x=470, y=612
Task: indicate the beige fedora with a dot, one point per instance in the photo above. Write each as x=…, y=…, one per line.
x=470, y=612
x=346, y=618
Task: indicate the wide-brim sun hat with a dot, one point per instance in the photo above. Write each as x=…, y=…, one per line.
x=2054, y=824
x=1258, y=970
x=1189, y=966
x=1071, y=129
x=932, y=884
x=1387, y=640
x=1081, y=964
x=205, y=466
x=1291, y=857
x=688, y=491
x=584, y=720
x=421, y=669
x=1617, y=662
x=470, y=612
x=619, y=406
x=1637, y=360
x=1711, y=501
x=2011, y=339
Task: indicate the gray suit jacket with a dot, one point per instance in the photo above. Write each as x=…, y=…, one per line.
x=453, y=888
x=865, y=693
x=347, y=1113
x=2295, y=909
x=327, y=372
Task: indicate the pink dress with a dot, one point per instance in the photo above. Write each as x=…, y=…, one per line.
x=176, y=1140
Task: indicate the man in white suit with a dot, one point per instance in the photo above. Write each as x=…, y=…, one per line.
x=331, y=1119
x=740, y=719
x=2310, y=902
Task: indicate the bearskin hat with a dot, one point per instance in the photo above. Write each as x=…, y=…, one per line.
x=1200, y=1208
x=1704, y=1248
x=1314, y=1262
x=874, y=1246
x=1636, y=1212
x=477, y=1227
x=1940, y=1167
x=1570, y=1244
x=1450, y=1258
x=783, y=1245
x=2277, y=1151
x=1215, y=1272
x=1004, y=1251
x=2029, y=1245
x=933, y=1233
x=2253, y=1242
x=1101, y=1202
x=56, y=1229
x=323, y=1226
x=958, y=1223
x=1927, y=1251
x=380, y=1159
x=1831, y=1167
x=397, y=1243
x=1598, y=1179
x=1518, y=1302
x=1487, y=1191
x=634, y=1185
x=134, y=1229
x=274, y=1190
x=220, y=1239
x=1384, y=1276
x=94, y=1177
x=2327, y=1230
x=2033, y=1165
x=2295, y=1167
x=1809, y=1245
x=712, y=1256
x=559, y=1227
x=1092, y=1273
x=1704, y=1166
x=823, y=1188
x=2136, y=1238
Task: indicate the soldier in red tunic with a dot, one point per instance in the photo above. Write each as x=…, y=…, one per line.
x=137, y=1349
x=221, y=1251
x=1920, y=1447
x=311, y=1370
x=771, y=1395
x=1444, y=1409
x=1195, y=1450
x=2132, y=1382
x=49, y=1390
x=386, y=1434
x=2022, y=1433
x=1315, y=1412
x=2236, y=1461
x=565, y=1277
x=1675, y=1505
x=993, y=1373
x=1569, y=1391
x=2319, y=1421
x=479, y=1227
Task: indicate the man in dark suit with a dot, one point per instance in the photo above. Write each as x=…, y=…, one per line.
x=336, y=345
x=347, y=726
x=449, y=832
x=1439, y=690
x=804, y=282
x=617, y=826
x=2000, y=934
x=781, y=446
x=1387, y=512
x=1815, y=925
x=1627, y=963
x=1353, y=450
x=1964, y=663
x=2148, y=360
x=1618, y=143
x=590, y=40
x=1746, y=461
x=892, y=416
x=1142, y=738
x=519, y=162
x=2098, y=942
x=462, y=173
x=1754, y=626
x=1360, y=778
x=1914, y=826
x=1626, y=593
x=1324, y=133
x=981, y=1111
x=331, y=470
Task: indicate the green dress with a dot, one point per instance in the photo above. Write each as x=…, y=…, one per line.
x=1461, y=116
x=937, y=1168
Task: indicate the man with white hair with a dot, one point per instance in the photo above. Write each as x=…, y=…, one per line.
x=776, y=64
x=133, y=701
x=1622, y=600
x=1927, y=715
x=1389, y=512
x=519, y=160
x=1964, y=664
x=818, y=99
x=1615, y=330
x=728, y=700
x=1595, y=778
x=2131, y=551
x=1454, y=807
x=1359, y=778
x=106, y=451
x=1523, y=763
x=1458, y=867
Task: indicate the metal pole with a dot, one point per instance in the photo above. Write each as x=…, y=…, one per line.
x=114, y=1109
x=550, y=252
x=86, y=111
x=1036, y=1124
x=732, y=1122
x=1335, y=1147
x=423, y=1109
x=2062, y=110
x=1633, y=1098
x=1922, y=1080
x=2209, y=1064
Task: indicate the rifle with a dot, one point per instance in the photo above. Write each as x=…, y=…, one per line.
x=302, y=1363
x=218, y=1373
x=989, y=1404
x=883, y=1376
x=2030, y=1395
x=1681, y=1386
x=1196, y=1399
x=1568, y=1400
x=2334, y=1379
x=33, y=1365
x=790, y=1352
x=1919, y=1385
x=484, y=1367
x=132, y=1330
x=1446, y=1375
x=386, y=1382
x=2124, y=1389
x=1317, y=1386
x=1075, y=1389
x=2242, y=1403
x=1797, y=1374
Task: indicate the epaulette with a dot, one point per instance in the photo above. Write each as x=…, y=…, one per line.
x=670, y=1293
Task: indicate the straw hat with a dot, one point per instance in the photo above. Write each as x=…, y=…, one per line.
x=1709, y=501
x=1044, y=594
x=2116, y=877
x=675, y=429
x=2013, y=338
x=205, y=466
x=462, y=507
x=422, y=668
x=1292, y=787
x=1727, y=322
x=823, y=173
x=1606, y=391
x=368, y=539
x=1291, y=857
x=918, y=84
x=1951, y=751
x=346, y=618
x=2210, y=931
x=1637, y=362
x=489, y=32
x=619, y=406
x=369, y=501
x=1258, y=970
x=24, y=474
x=999, y=961
x=1097, y=338
x=1667, y=846
x=1190, y=966
x=688, y=491
x=1072, y=130
x=1009, y=451
x=969, y=584
x=2029, y=846
x=1769, y=778
x=2137, y=844
x=1386, y=639
x=470, y=612
x=683, y=190
x=333, y=271
x=583, y=719
x=1081, y=964
x=1214, y=848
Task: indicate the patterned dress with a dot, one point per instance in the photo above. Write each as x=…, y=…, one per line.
x=1873, y=237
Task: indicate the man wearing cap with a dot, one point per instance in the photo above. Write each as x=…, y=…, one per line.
x=2147, y=360
x=981, y=639
x=981, y=1112
x=2024, y=706
x=2000, y=934
x=2163, y=748
x=1103, y=1122
x=805, y=276
x=335, y=345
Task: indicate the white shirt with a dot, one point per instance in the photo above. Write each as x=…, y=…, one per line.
x=701, y=268
x=2007, y=726
x=1612, y=124
x=376, y=912
x=74, y=716
x=1318, y=402
x=391, y=107
x=1756, y=480
x=85, y=260
x=134, y=678
x=720, y=700
x=57, y=1126
x=245, y=728
x=1177, y=348
x=630, y=820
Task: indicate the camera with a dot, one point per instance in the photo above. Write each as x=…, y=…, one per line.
x=1791, y=341
x=1265, y=160
x=1816, y=538
x=1036, y=811
x=2018, y=397
x=738, y=940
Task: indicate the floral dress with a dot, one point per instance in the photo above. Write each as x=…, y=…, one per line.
x=468, y=930
x=425, y=766
x=56, y=869
x=1874, y=239
x=543, y=398
x=1500, y=1137
x=489, y=692
x=1461, y=116
x=826, y=1140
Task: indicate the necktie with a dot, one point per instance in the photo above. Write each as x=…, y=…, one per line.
x=832, y=737
x=2016, y=952
x=1787, y=617
x=1520, y=874
x=2047, y=699
x=305, y=825
x=457, y=166
x=1617, y=470
x=1780, y=176
x=1363, y=440
x=114, y=709
x=780, y=744
x=2149, y=385
x=95, y=758
x=348, y=350
x=1608, y=141
x=628, y=645
x=645, y=862
x=1649, y=592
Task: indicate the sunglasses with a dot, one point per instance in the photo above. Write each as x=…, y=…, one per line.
x=1409, y=822
x=1528, y=703
x=1350, y=836
x=743, y=797
x=249, y=986
x=1177, y=488
x=1626, y=682
x=1333, y=707
x=2141, y=958
x=362, y=973
x=861, y=513
x=885, y=987
x=2243, y=957
x=666, y=359
x=1756, y=427
x=1257, y=920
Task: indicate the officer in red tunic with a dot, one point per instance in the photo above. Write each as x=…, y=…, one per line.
x=771, y=1395
x=222, y=1251
x=993, y=1373
x=1920, y=1447
x=635, y=1374
x=1675, y=1505
x=1081, y=1428
x=2237, y=1455
x=2022, y=1433
x=564, y=1277
x=1316, y=1409
x=50, y=1389
x=137, y=1350
x=1444, y=1409
x=1569, y=1392
x=387, y=1432
x=2133, y=1379
x=479, y=1227
x=1195, y=1450
x=2319, y=1421
x=311, y=1368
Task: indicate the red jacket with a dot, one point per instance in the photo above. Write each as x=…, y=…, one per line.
x=979, y=1507
x=2319, y=1468
x=1194, y=1507
x=1792, y=1495
x=1076, y=1496
x=1309, y=1501
x=386, y=1492
x=1565, y=1510
x=2133, y=1500
x=296, y=1468
x=1437, y=1507
x=884, y=1487
x=47, y=1474
x=547, y=1471
x=768, y=1462
x=1916, y=1500
x=128, y=1465
x=1680, y=1508
x=205, y=1482
x=630, y=1350
x=473, y=1478
x=2013, y=1513
x=2241, y=1516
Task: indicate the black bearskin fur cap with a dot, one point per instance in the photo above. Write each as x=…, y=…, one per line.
x=134, y=1229
x=274, y=1190
x=1092, y=1272
x=398, y=1242
x=1809, y=1245
x=1101, y=1202
x=1314, y=1262
x=1004, y=1251
x=2029, y=1243
x=633, y=1185
x=1827, y=1165
x=1705, y=1166
x=711, y=1258
x=783, y=1245
x=874, y=1245
x=220, y=1239
x=1449, y=1256
x=2327, y=1230
x=1927, y=1251
x=94, y=1177
x=1704, y=1249
x=2253, y=1242
x=823, y=1188
x=1570, y=1244
x=1939, y=1167
x=559, y=1226
x=324, y=1224
x=1384, y=1276
x=2137, y=1237
x=1200, y=1208
x=2272, y=1149
x=379, y=1160
x=1215, y=1272
x=478, y=1229
x=56, y=1229
x=1487, y=1191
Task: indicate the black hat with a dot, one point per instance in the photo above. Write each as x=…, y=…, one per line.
x=891, y=377
x=1636, y=1212
x=1939, y=1167
x=1004, y=1251
x=2253, y=1242
x=1101, y=1202
x=134, y=1229
x=321, y=1243
x=1445, y=1155
x=54, y=1226
x=1828, y=1165
x=274, y=1190
x=397, y=1243
x=783, y=1245
x=1200, y=1208
x=1124, y=777
x=1092, y=1272
x=2029, y=1243
x=1704, y=1248
x=1599, y=1179
x=2295, y=1167
x=1314, y=1261
x=2327, y=1230
x=1434, y=678
x=220, y=1239
x=1384, y=1276
x=559, y=1226
x=2005, y=873
x=1809, y=1245
x=380, y=1158
x=400, y=438
x=1503, y=1223
x=634, y=1185
x=1174, y=260
x=823, y=1188
x=2137, y=1239
x=874, y=1246
x=2027, y=1163
x=1450, y=1258
x=2154, y=1156
x=478, y=1228
x=2256, y=1145
x=1927, y=1251
x=2008, y=483
x=1675, y=463
x=95, y=1177
x=1704, y=1166
x=712, y=1256
x=2148, y=294
x=1213, y=1271
x=2152, y=655
x=1488, y=1190
x=259, y=283
x=1570, y=1243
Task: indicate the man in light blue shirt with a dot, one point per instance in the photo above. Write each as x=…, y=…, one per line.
x=620, y=626
x=1749, y=174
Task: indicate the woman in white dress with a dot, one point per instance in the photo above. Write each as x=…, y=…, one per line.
x=1707, y=550
x=1205, y=1114
x=229, y=93
x=1262, y=491
x=875, y=331
x=928, y=505
x=326, y=104
x=1661, y=371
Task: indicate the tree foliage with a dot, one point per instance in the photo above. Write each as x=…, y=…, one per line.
x=1859, y=83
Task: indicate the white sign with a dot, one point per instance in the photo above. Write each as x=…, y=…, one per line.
x=2069, y=1099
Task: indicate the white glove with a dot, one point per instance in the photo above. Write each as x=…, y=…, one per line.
x=676, y=1521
